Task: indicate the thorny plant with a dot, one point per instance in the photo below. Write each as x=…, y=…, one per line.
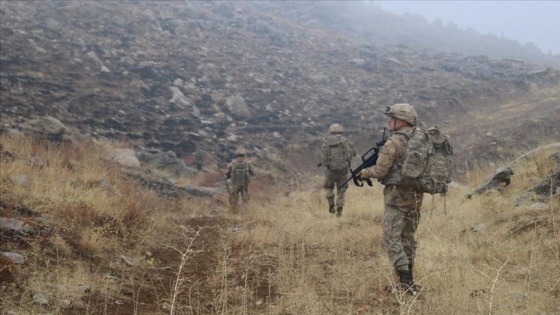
x=494, y=281
x=186, y=255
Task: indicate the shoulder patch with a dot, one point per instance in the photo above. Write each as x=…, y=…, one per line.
x=384, y=150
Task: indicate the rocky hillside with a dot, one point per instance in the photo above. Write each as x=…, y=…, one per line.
x=204, y=77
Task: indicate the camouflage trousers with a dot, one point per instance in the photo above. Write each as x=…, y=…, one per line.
x=234, y=196
x=332, y=178
x=399, y=226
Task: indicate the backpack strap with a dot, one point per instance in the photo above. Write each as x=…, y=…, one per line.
x=407, y=135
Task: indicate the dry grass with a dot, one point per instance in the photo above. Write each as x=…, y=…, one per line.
x=285, y=255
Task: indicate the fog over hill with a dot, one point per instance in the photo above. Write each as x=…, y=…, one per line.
x=528, y=22
x=203, y=77
x=374, y=21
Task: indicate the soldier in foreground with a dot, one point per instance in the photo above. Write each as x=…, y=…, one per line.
x=402, y=204
x=337, y=152
x=239, y=171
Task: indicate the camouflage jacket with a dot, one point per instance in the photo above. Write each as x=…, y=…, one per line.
x=391, y=158
x=387, y=171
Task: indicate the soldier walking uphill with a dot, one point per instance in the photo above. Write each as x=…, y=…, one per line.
x=402, y=204
x=336, y=155
x=239, y=171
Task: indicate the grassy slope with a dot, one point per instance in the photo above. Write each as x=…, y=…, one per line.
x=285, y=255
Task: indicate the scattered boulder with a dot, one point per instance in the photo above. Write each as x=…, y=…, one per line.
x=40, y=299
x=498, y=181
x=545, y=189
x=15, y=226
x=46, y=126
x=237, y=107
x=182, y=102
x=14, y=257
x=125, y=157
x=166, y=161
x=478, y=227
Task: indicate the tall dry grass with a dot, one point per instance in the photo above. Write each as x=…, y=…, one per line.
x=284, y=255
x=508, y=265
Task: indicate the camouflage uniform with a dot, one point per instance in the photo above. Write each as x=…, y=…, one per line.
x=337, y=177
x=402, y=205
x=240, y=172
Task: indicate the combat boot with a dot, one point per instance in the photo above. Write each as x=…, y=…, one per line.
x=331, y=204
x=338, y=212
x=406, y=282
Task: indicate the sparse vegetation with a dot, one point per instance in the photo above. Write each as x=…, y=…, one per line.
x=110, y=246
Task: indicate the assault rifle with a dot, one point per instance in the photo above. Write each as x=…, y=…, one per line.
x=369, y=159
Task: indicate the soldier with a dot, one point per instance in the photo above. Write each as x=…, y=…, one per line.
x=402, y=204
x=336, y=155
x=240, y=172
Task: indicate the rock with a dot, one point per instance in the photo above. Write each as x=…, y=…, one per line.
x=14, y=257
x=478, y=227
x=500, y=179
x=40, y=299
x=125, y=157
x=47, y=126
x=178, y=82
x=237, y=107
x=180, y=100
x=166, y=161
x=15, y=225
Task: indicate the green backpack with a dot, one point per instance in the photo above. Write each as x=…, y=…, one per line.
x=427, y=165
x=240, y=174
x=336, y=153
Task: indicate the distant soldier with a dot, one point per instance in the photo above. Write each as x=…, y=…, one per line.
x=240, y=172
x=337, y=152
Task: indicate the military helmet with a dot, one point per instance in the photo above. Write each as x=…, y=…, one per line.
x=404, y=112
x=240, y=152
x=336, y=128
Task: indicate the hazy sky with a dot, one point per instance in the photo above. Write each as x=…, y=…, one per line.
x=524, y=21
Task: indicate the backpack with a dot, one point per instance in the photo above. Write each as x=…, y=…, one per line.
x=336, y=153
x=427, y=164
x=240, y=174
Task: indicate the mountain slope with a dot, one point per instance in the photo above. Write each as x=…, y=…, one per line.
x=209, y=76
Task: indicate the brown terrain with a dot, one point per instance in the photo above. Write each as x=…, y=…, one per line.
x=201, y=78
